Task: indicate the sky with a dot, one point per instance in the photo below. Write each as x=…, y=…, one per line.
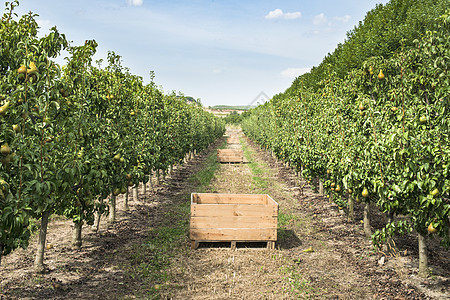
x=223, y=52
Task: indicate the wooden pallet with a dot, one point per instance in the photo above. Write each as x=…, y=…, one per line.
x=233, y=218
x=230, y=155
x=270, y=244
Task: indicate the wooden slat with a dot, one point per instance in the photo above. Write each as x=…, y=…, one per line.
x=233, y=139
x=220, y=210
x=270, y=201
x=230, y=155
x=217, y=234
x=230, y=199
x=271, y=245
x=229, y=151
x=234, y=222
x=230, y=160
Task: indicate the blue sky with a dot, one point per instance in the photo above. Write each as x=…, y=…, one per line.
x=223, y=52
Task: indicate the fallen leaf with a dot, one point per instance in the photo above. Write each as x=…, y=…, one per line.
x=310, y=249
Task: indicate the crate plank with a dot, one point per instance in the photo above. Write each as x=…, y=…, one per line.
x=234, y=222
x=227, y=234
x=230, y=155
x=233, y=140
x=219, y=210
x=230, y=199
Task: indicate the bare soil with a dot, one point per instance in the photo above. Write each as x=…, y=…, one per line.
x=339, y=263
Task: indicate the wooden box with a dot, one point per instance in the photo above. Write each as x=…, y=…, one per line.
x=233, y=140
x=233, y=218
x=230, y=155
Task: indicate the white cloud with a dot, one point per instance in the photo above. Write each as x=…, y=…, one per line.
x=279, y=14
x=293, y=15
x=294, y=72
x=320, y=19
x=343, y=19
x=44, y=25
x=274, y=14
x=135, y=2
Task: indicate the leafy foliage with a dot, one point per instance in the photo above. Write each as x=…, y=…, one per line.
x=73, y=135
x=373, y=118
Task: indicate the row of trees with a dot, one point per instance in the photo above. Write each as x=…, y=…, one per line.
x=377, y=132
x=74, y=136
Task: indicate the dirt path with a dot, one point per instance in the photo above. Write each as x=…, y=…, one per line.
x=147, y=255
x=340, y=266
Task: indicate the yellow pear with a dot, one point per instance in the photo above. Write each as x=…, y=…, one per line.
x=431, y=228
x=381, y=75
x=365, y=193
x=32, y=69
x=22, y=69
x=7, y=159
x=4, y=108
x=5, y=149
x=434, y=192
x=116, y=191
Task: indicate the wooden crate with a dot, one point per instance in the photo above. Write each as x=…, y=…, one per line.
x=230, y=155
x=233, y=140
x=233, y=218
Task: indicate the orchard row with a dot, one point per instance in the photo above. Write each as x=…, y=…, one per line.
x=74, y=136
x=380, y=135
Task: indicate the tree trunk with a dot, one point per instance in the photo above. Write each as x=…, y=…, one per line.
x=367, y=229
x=320, y=187
x=350, y=207
x=39, y=266
x=1, y=254
x=170, y=169
x=157, y=177
x=112, y=209
x=96, y=225
x=76, y=237
x=390, y=244
x=315, y=184
x=125, y=203
x=423, y=256
x=144, y=189
x=151, y=182
x=136, y=193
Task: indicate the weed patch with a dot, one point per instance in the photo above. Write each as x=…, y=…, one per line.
x=260, y=184
x=202, y=178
